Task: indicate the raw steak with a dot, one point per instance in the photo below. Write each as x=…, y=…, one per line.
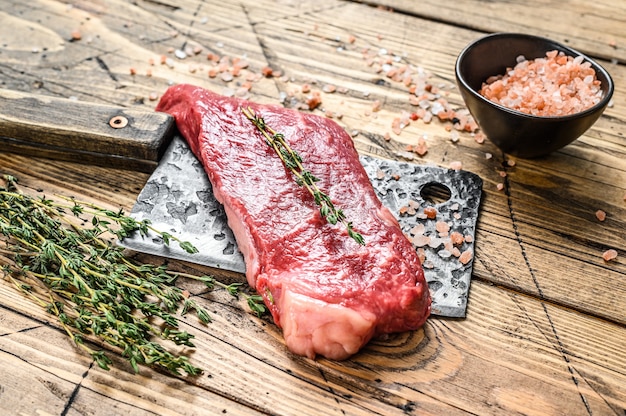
x=329, y=294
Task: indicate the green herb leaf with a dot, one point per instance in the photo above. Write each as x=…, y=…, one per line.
x=293, y=161
x=79, y=275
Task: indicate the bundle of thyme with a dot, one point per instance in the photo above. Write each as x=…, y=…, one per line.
x=62, y=255
x=293, y=161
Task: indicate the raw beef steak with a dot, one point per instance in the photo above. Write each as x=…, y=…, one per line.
x=329, y=294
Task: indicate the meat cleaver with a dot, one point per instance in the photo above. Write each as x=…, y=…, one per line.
x=178, y=197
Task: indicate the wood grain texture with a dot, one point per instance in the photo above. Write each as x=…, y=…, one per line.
x=594, y=28
x=545, y=328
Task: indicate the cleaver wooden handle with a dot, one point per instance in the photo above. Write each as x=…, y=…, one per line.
x=60, y=128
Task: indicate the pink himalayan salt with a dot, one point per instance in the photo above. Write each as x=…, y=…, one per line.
x=418, y=229
x=609, y=255
x=552, y=86
x=430, y=212
x=456, y=165
x=421, y=240
x=466, y=256
x=456, y=238
x=442, y=228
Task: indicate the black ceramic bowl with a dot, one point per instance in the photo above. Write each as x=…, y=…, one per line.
x=516, y=133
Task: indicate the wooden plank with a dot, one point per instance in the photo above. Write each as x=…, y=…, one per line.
x=546, y=338
x=318, y=51
x=62, y=381
x=513, y=349
x=594, y=28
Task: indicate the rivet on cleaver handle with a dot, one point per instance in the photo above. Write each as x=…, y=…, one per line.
x=104, y=135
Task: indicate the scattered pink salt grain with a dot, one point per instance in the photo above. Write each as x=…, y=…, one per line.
x=421, y=149
x=396, y=127
x=267, y=71
x=430, y=212
x=600, y=215
x=466, y=256
x=421, y=240
x=609, y=255
x=413, y=206
x=421, y=254
x=479, y=138
x=313, y=100
x=552, y=86
x=418, y=229
x=456, y=165
x=456, y=238
x=442, y=228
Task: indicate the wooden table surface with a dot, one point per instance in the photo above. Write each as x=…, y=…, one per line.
x=545, y=331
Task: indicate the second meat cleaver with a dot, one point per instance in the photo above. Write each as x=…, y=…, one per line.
x=178, y=199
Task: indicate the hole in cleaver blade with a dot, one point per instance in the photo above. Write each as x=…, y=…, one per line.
x=178, y=198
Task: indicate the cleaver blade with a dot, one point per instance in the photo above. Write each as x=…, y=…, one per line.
x=178, y=199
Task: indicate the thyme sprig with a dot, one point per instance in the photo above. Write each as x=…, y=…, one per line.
x=72, y=268
x=293, y=161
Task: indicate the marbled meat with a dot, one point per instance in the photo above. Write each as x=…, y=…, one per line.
x=329, y=294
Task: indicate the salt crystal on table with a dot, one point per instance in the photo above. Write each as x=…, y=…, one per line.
x=226, y=76
x=456, y=165
x=609, y=255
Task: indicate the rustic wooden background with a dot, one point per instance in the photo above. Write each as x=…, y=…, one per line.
x=545, y=330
